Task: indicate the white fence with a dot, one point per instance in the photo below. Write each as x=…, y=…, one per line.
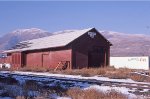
x=131, y=62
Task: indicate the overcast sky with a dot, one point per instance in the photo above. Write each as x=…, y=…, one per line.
x=126, y=17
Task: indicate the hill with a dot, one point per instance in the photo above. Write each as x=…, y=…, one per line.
x=9, y=40
x=128, y=44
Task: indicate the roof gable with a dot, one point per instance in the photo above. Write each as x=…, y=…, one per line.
x=92, y=33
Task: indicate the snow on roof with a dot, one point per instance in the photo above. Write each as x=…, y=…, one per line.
x=56, y=40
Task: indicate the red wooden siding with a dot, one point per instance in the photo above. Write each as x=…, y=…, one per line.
x=8, y=59
x=81, y=60
x=47, y=59
x=15, y=59
x=34, y=59
x=2, y=60
x=57, y=56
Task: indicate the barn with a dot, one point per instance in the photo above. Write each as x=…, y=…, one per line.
x=74, y=49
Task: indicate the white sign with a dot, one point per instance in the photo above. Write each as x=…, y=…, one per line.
x=92, y=34
x=130, y=62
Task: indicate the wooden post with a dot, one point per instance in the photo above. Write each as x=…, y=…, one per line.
x=105, y=58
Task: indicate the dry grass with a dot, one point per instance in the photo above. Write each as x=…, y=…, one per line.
x=77, y=93
x=122, y=73
x=32, y=69
x=110, y=72
x=106, y=71
x=138, y=77
x=86, y=72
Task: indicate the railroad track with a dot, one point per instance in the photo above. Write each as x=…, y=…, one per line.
x=47, y=79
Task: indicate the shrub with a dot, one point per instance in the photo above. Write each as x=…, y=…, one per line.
x=86, y=72
x=122, y=73
x=139, y=77
x=77, y=93
x=118, y=74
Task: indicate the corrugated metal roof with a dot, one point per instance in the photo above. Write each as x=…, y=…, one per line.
x=51, y=41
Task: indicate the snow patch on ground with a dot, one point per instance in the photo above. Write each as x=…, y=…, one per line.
x=63, y=98
x=75, y=77
x=107, y=89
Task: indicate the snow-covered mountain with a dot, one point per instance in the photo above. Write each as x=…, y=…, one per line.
x=9, y=40
x=128, y=44
x=123, y=44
